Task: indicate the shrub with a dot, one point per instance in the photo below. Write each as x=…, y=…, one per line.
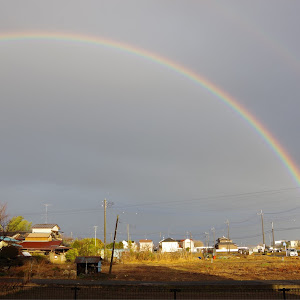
x=9, y=252
x=71, y=254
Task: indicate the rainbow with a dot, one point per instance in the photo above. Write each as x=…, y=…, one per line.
x=213, y=89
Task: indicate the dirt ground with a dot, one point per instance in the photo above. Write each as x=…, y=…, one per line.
x=243, y=268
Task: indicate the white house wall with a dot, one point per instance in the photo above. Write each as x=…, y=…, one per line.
x=170, y=246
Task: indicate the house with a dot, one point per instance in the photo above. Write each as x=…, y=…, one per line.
x=146, y=245
x=225, y=245
x=258, y=249
x=53, y=249
x=169, y=245
x=45, y=239
x=293, y=244
x=53, y=229
x=88, y=264
x=187, y=244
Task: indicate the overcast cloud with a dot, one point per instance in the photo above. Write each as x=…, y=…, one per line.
x=80, y=123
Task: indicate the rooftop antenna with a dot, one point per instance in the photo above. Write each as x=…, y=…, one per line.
x=46, y=206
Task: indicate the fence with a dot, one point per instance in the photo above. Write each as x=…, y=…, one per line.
x=16, y=291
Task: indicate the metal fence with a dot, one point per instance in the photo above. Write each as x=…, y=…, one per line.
x=16, y=291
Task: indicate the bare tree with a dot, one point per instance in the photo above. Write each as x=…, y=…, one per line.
x=3, y=218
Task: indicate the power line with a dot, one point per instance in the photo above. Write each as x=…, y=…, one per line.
x=211, y=197
x=283, y=211
x=177, y=202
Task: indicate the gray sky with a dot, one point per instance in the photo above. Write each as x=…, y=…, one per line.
x=80, y=123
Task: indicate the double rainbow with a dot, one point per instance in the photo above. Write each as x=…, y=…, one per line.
x=220, y=94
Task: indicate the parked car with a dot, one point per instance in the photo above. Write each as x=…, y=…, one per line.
x=291, y=252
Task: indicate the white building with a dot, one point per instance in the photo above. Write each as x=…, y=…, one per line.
x=52, y=229
x=187, y=244
x=146, y=245
x=169, y=245
x=45, y=228
x=293, y=244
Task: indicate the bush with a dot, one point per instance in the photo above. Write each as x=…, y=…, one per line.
x=9, y=252
x=71, y=254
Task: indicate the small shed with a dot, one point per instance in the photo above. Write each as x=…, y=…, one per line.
x=88, y=264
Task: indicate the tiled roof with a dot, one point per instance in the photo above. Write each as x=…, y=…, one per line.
x=41, y=245
x=145, y=241
x=44, y=226
x=38, y=235
x=7, y=239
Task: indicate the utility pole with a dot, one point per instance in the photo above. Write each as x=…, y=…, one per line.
x=127, y=233
x=273, y=242
x=227, y=222
x=95, y=237
x=46, y=206
x=207, y=239
x=214, y=237
x=228, y=237
x=113, y=249
x=262, y=227
x=105, y=205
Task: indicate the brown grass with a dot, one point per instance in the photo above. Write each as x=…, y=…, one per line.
x=223, y=268
x=178, y=267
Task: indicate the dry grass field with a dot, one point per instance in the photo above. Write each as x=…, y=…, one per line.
x=258, y=267
x=223, y=268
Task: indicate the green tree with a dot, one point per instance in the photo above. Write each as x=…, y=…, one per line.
x=19, y=224
x=86, y=247
x=118, y=245
x=71, y=254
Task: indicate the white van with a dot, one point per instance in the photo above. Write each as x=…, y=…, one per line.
x=291, y=252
